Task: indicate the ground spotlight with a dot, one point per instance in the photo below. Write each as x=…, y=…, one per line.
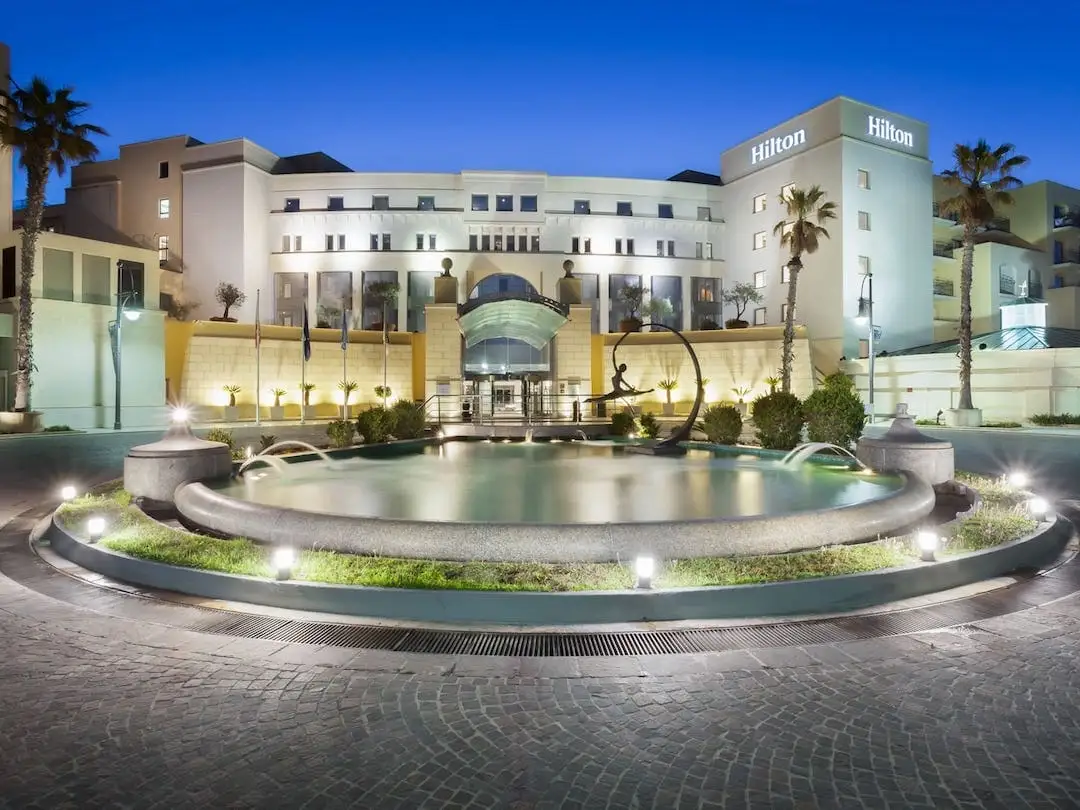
x=1019, y=479
x=283, y=560
x=68, y=493
x=95, y=528
x=644, y=567
x=928, y=545
x=1038, y=507
x=180, y=415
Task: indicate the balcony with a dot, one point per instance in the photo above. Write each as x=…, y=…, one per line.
x=997, y=224
x=944, y=287
x=1071, y=256
x=1067, y=219
x=1007, y=285
x=945, y=249
x=953, y=218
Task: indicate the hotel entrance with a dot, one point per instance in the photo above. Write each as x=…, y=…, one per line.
x=519, y=398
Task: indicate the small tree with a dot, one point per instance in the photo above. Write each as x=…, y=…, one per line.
x=306, y=389
x=347, y=387
x=278, y=394
x=667, y=386
x=834, y=412
x=384, y=295
x=229, y=296
x=721, y=424
x=658, y=310
x=631, y=296
x=779, y=420
x=383, y=392
x=232, y=391
x=741, y=296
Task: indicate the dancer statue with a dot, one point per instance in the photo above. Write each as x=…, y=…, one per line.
x=619, y=388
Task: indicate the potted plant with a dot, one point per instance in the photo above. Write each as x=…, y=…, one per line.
x=231, y=411
x=383, y=392
x=667, y=386
x=708, y=324
x=772, y=382
x=741, y=296
x=384, y=295
x=346, y=387
x=277, y=411
x=229, y=296
x=631, y=296
x=658, y=310
x=305, y=392
x=741, y=392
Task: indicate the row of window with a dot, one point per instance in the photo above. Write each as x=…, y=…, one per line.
x=761, y=278
x=761, y=237
x=758, y=204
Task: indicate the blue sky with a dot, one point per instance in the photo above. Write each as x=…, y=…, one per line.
x=603, y=88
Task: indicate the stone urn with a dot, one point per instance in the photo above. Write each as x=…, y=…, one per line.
x=446, y=286
x=569, y=286
x=905, y=447
x=154, y=471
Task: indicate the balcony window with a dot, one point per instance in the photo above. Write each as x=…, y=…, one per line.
x=582, y=207
x=425, y=203
x=292, y=204
x=386, y=241
x=380, y=203
x=704, y=303
x=504, y=202
x=534, y=243
x=630, y=247
x=668, y=288
x=528, y=203
x=334, y=290
x=479, y=202
x=624, y=209
x=290, y=292
x=474, y=240
x=665, y=211
x=335, y=203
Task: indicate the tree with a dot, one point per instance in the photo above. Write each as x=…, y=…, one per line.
x=741, y=296
x=980, y=180
x=229, y=296
x=808, y=212
x=42, y=126
x=384, y=295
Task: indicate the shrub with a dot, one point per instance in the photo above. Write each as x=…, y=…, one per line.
x=722, y=424
x=650, y=426
x=57, y=429
x=220, y=435
x=835, y=412
x=375, y=424
x=779, y=420
x=340, y=433
x=1050, y=419
x=623, y=423
x=410, y=422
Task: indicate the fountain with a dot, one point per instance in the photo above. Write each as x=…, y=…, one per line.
x=799, y=456
x=274, y=462
x=528, y=435
x=277, y=463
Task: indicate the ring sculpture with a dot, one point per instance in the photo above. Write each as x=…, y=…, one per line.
x=620, y=390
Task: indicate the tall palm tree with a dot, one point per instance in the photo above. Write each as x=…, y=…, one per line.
x=801, y=231
x=42, y=125
x=980, y=180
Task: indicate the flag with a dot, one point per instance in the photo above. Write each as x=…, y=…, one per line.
x=258, y=329
x=305, y=335
x=344, y=329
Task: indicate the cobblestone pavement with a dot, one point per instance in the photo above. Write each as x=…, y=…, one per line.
x=97, y=711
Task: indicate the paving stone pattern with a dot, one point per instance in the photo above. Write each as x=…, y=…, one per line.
x=97, y=711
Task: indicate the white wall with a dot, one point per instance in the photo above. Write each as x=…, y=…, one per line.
x=214, y=239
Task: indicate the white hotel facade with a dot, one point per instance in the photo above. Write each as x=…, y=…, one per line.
x=307, y=228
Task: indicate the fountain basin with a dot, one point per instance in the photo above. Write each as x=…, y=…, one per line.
x=557, y=503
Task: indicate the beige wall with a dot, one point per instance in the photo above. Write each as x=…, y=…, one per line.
x=1005, y=385
x=222, y=354
x=572, y=350
x=442, y=345
x=1063, y=307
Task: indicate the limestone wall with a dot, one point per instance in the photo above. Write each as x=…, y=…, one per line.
x=442, y=347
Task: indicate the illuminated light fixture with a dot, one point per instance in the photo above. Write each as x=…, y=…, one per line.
x=68, y=493
x=1019, y=479
x=180, y=415
x=644, y=567
x=283, y=559
x=1038, y=507
x=95, y=528
x=132, y=314
x=928, y=545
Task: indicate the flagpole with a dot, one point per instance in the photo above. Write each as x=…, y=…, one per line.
x=258, y=359
x=344, y=360
x=303, y=365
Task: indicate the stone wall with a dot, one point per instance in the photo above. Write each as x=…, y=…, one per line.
x=573, y=349
x=442, y=347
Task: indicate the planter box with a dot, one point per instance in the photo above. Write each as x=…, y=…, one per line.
x=232, y=413
x=630, y=325
x=309, y=412
x=668, y=409
x=20, y=421
x=277, y=413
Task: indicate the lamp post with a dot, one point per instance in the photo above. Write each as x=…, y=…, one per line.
x=866, y=316
x=123, y=299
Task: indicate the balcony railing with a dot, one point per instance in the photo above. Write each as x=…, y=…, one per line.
x=1007, y=285
x=998, y=224
x=940, y=215
x=944, y=286
x=1069, y=219
x=1067, y=256
x=946, y=248
x=1035, y=290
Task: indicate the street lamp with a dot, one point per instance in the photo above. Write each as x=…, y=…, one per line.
x=125, y=311
x=866, y=316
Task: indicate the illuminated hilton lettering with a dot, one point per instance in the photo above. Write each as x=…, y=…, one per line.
x=770, y=147
x=883, y=128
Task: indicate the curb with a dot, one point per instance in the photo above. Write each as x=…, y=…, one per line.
x=798, y=597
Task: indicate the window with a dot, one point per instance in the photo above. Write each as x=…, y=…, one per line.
x=504, y=202
x=163, y=170
x=380, y=203
x=671, y=247
x=759, y=203
x=341, y=241
x=785, y=274
x=582, y=207
x=292, y=203
x=329, y=241
x=624, y=209
x=699, y=250
x=588, y=245
x=163, y=207
x=759, y=316
x=864, y=178
x=864, y=265
x=704, y=303
x=485, y=242
x=864, y=221
x=785, y=191
x=8, y=279
x=297, y=243
x=425, y=203
x=473, y=240
x=523, y=244
x=333, y=291
x=668, y=288
x=373, y=243
x=659, y=247
x=386, y=241
x=431, y=241
x=286, y=243
x=664, y=211
x=479, y=202
x=783, y=313
x=618, y=245
x=499, y=243
x=528, y=203
x=708, y=250
x=290, y=293
x=131, y=282
x=511, y=245
x=421, y=292
x=534, y=243
x=335, y=203
x=58, y=274
x=759, y=280
x=704, y=213
x=371, y=316
x=96, y=278
x=617, y=309
x=630, y=247
x=575, y=244
x=419, y=241
x=759, y=240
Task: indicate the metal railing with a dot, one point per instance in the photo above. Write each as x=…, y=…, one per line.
x=483, y=409
x=938, y=213
x=1007, y=285
x=1070, y=219
x=944, y=286
x=1067, y=256
x=946, y=249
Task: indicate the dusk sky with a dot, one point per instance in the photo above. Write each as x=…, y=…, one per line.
x=590, y=88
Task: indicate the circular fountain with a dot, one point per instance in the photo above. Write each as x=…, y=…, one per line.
x=557, y=502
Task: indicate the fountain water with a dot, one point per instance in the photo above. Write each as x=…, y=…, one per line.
x=798, y=456
x=528, y=435
x=276, y=462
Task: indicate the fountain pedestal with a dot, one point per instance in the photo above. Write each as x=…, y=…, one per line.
x=905, y=447
x=154, y=471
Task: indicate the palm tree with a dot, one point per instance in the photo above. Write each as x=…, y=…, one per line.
x=809, y=212
x=41, y=124
x=981, y=180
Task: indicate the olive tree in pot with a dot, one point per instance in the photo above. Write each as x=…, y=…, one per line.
x=741, y=296
x=306, y=408
x=229, y=296
x=277, y=411
x=631, y=297
x=232, y=413
x=384, y=296
x=658, y=310
x=347, y=387
x=667, y=386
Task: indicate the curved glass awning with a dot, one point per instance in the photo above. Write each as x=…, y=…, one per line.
x=532, y=319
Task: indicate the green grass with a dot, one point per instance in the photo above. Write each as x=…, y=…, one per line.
x=131, y=532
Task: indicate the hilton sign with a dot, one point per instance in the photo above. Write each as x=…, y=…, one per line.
x=770, y=147
x=883, y=129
